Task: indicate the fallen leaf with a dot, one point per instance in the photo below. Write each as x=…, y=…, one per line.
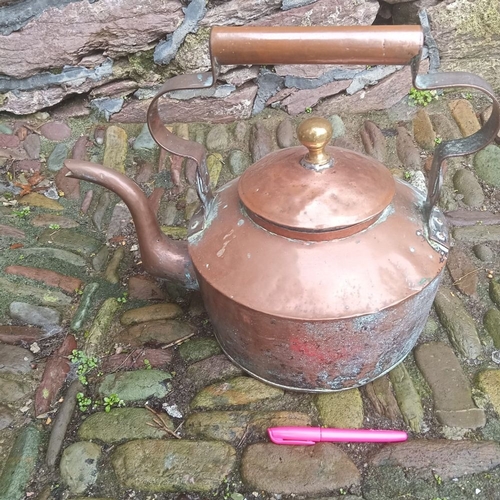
x=14, y=246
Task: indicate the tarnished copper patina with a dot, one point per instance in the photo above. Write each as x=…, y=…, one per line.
x=318, y=268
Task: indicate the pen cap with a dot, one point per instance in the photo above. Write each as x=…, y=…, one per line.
x=294, y=435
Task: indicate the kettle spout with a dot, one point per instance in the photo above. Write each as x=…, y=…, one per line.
x=161, y=256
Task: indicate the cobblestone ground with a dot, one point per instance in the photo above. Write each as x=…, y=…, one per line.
x=112, y=385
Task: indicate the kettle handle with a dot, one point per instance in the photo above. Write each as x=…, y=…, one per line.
x=322, y=45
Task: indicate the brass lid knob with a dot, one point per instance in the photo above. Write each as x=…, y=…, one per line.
x=315, y=133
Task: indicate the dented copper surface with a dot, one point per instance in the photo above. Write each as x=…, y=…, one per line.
x=317, y=268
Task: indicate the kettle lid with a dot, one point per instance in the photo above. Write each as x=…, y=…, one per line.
x=317, y=193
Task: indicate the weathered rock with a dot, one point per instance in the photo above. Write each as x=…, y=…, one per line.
x=116, y=148
x=489, y=382
x=445, y=128
x=172, y=465
x=211, y=370
x=137, y=359
x=18, y=334
x=156, y=332
x=299, y=470
x=150, y=313
x=6, y=417
x=423, y=131
x=450, y=387
x=38, y=200
x=466, y=184
x=56, y=253
x=144, y=140
x=491, y=322
x=34, y=315
x=32, y=146
x=45, y=220
x=87, y=200
x=465, y=116
x=465, y=33
x=54, y=376
x=136, y=385
x=487, y=165
x=463, y=272
x=374, y=141
x=20, y=464
x=120, y=218
x=79, y=465
x=236, y=106
x=15, y=360
x=196, y=350
x=494, y=290
x=12, y=390
x=485, y=116
x=61, y=423
x=238, y=161
x=55, y=131
x=144, y=288
x=447, y=459
x=408, y=153
x=100, y=325
x=100, y=259
x=11, y=232
x=238, y=391
x=407, y=397
x=285, y=134
x=9, y=141
x=122, y=424
x=459, y=324
x=83, y=308
x=214, y=166
x=64, y=282
x=260, y=143
x=261, y=421
x=483, y=252
x=55, y=161
x=69, y=239
x=227, y=426
x=379, y=392
x=341, y=409
x=36, y=294
x=69, y=186
x=477, y=234
x=302, y=100
x=112, y=273
x=217, y=138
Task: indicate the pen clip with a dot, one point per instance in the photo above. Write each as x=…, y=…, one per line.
x=283, y=435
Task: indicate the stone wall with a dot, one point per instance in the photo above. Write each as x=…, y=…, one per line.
x=115, y=53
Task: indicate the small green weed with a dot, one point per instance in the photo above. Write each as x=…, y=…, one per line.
x=438, y=479
x=54, y=226
x=111, y=401
x=438, y=140
x=22, y=213
x=83, y=401
x=85, y=364
x=308, y=110
x=421, y=97
x=468, y=96
x=147, y=364
x=123, y=298
x=407, y=175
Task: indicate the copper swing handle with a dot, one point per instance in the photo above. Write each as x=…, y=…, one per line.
x=282, y=45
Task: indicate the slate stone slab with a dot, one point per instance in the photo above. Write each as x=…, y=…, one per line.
x=156, y=332
x=20, y=464
x=173, y=465
x=56, y=253
x=468, y=186
x=463, y=271
x=12, y=390
x=447, y=459
x=298, y=470
x=100, y=325
x=55, y=161
x=136, y=385
x=116, y=148
x=477, y=234
x=122, y=424
x=213, y=369
x=491, y=322
x=489, y=382
x=450, y=386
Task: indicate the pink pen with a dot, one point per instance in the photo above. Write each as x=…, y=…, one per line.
x=312, y=435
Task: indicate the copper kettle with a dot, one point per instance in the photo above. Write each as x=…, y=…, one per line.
x=317, y=268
